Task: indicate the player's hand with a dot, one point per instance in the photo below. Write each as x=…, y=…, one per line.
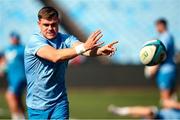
x=150, y=71
x=107, y=50
x=92, y=40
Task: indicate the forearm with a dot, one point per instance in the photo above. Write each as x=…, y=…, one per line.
x=169, y=103
x=65, y=54
x=88, y=53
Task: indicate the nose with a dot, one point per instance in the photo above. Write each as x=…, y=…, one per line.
x=49, y=27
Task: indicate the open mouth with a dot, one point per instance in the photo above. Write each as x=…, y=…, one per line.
x=50, y=34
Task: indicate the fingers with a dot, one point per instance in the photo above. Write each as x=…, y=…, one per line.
x=92, y=42
x=95, y=34
x=113, y=43
x=110, y=51
x=98, y=38
x=98, y=44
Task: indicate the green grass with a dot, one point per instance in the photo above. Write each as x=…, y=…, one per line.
x=4, y=112
x=92, y=103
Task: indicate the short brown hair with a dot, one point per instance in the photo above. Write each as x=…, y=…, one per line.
x=47, y=13
x=162, y=21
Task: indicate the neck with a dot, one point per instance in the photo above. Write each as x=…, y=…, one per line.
x=163, y=31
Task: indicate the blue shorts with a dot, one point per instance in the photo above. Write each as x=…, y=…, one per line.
x=59, y=111
x=166, y=81
x=17, y=86
x=168, y=114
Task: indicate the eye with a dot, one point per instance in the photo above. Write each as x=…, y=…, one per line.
x=54, y=24
x=46, y=25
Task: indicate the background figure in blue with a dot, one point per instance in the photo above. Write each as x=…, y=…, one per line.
x=14, y=59
x=165, y=73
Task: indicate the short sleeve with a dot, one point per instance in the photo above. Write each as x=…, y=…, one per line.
x=70, y=41
x=35, y=43
x=167, y=40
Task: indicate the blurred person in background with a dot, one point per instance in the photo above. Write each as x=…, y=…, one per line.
x=2, y=64
x=146, y=112
x=165, y=75
x=2, y=69
x=12, y=63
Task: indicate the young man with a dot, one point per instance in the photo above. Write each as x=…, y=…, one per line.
x=46, y=59
x=14, y=61
x=165, y=74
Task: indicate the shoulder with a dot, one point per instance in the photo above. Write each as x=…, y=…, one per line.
x=168, y=35
x=35, y=42
x=36, y=37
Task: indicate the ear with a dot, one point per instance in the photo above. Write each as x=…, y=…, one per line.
x=39, y=22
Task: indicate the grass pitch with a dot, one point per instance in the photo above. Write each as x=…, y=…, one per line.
x=92, y=103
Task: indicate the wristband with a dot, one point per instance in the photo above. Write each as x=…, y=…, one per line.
x=80, y=49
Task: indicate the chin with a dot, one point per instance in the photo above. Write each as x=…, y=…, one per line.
x=51, y=37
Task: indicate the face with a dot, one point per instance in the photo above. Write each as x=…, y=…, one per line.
x=49, y=28
x=160, y=27
x=14, y=41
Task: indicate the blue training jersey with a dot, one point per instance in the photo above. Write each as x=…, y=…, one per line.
x=45, y=79
x=168, y=65
x=14, y=55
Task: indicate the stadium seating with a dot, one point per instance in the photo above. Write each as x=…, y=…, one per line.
x=130, y=22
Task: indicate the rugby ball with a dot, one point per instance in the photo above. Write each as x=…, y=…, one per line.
x=152, y=53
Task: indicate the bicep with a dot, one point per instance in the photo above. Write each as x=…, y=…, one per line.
x=51, y=54
x=46, y=52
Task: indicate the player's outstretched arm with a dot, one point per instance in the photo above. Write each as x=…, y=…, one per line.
x=94, y=49
x=51, y=54
x=54, y=55
x=106, y=50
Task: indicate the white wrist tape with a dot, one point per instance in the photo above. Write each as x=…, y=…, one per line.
x=80, y=49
